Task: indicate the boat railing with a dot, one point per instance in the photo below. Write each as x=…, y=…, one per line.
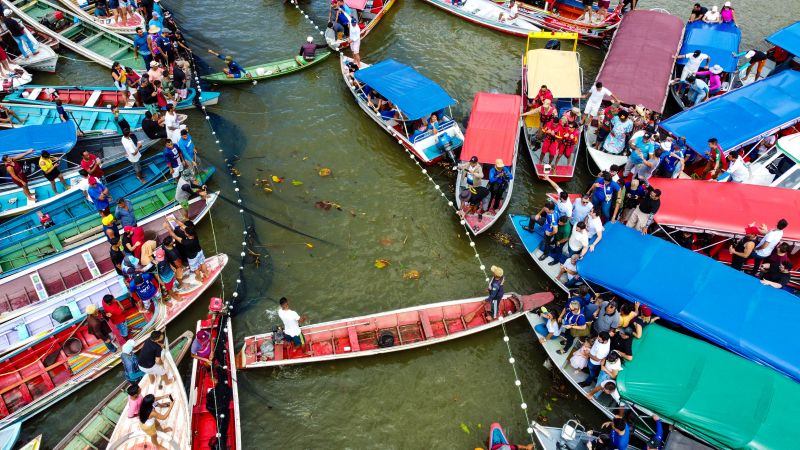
x=447, y=124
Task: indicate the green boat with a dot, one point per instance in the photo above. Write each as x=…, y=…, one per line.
x=265, y=71
x=93, y=431
x=84, y=38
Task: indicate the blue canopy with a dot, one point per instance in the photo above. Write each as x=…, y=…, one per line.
x=723, y=305
x=787, y=38
x=56, y=139
x=742, y=116
x=415, y=95
x=717, y=40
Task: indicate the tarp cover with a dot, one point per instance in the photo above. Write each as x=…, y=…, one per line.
x=787, y=38
x=741, y=116
x=493, y=129
x=356, y=4
x=638, y=67
x=719, y=396
x=558, y=69
x=721, y=304
x=707, y=206
x=56, y=139
x=415, y=95
x=717, y=40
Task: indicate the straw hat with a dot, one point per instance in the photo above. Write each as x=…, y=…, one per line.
x=716, y=69
x=91, y=309
x=153, y=29
x=499, y=163
x=108, y=219
x=498, y=272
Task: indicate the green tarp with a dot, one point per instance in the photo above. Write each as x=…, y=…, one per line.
x=721, y=397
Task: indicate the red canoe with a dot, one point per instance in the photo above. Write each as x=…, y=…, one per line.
x=417, y=326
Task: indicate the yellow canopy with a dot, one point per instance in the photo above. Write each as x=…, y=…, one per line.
x=557, y=69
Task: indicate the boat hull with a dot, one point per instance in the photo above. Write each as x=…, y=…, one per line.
x=344, y=43
x=134, y=20
x=88, y=120
x=531, y=242
x=98, y=98
x=20, y=78
x=271, y=70
x=45, y=61
x=520, y=27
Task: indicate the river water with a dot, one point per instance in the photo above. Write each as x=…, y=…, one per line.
x=443, y=396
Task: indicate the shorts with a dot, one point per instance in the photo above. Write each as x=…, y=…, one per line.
x=176, y=171
x=53, y=174
x=355, y=46
x=113, y=4
x=156, y=370
x=592, y=109
x=567, y=149
x=237, y=75
x=550, y=146
x=169, y=284
x=147, y=303
x=297, y=341
x=197, y=261
x=137, y=167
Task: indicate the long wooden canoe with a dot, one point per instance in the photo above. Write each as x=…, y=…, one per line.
x=204, y=423
x=127, y=433
x=417, y=326
x=265, y=71
x=82, y=37
x=48, y=369
x=86, y=13
x=69, y=270
x=102, y=97
x=94, y=429
x=87, y=120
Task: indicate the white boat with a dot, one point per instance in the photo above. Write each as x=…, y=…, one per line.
x=601, y=158
x=45, y=61
x=779, y=165
x=85, y=11
x=13, y=80
x=128, y=434
x=488, y=14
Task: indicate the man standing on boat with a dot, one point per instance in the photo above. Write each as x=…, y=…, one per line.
x=355, y=41
x=150, y=359
x=291, y=323
x=496, y=293
x=596, y=95
x=98, y=327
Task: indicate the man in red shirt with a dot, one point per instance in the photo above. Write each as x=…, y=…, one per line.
x=91, y=164
x=116, y=314
x=132, y=240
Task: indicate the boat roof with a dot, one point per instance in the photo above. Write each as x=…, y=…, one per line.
x=787, y=38
x=705, y=206
x=558, y=69
x=721, y=397
x=493, y=129
x=790, y=146
x=638, y=67
x=717, y=302
x=742, y=116
x=717, y=40
x=356, y=4
x=56, y=139
x=415, y=95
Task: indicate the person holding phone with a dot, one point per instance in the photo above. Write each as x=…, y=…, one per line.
x=149, y=418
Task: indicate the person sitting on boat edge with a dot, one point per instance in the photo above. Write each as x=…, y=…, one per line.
x=150, y=419
x=569, y=139
x=570, y=269
x=574, y=325
x=308, y=51
x=291, y=324
x=551, y=329
x=232, y=69
x=712, y=16
x=8, y=116
x=551, y=142
x=698, y=11
x=202, y=347
x=496, y=292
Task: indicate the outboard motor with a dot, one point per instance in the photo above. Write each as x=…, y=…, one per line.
x=553, y=44
x=445, y=142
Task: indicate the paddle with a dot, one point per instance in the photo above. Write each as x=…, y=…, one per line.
x=469, y=316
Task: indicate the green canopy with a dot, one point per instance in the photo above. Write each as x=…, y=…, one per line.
x=721, y=397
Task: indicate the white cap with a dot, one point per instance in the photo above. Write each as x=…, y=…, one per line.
x=7, y=12
x=309, y=39
x=728, y=4
x=750, y=54
x=182, y=127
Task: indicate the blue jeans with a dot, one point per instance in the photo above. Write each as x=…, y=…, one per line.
x=600, y=378
x=573, y=282
x=110, y=346
x=696, y=95
x=23, y=41
x=594, y=371
x=542, y=329
x=123, y=329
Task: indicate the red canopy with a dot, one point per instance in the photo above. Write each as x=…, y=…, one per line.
x=638, y=67
x=356, y=4
x=726, y=207
x=493, y=129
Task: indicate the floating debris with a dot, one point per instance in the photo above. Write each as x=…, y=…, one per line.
x=297, y=183
x=505, y=239
x=326, y=205
x=464, y=428
x=277, y=179
x=324, y=172
x=411, y=275
x=381, y=263
x=235, y=172
x=387, y=242
x=309, y=245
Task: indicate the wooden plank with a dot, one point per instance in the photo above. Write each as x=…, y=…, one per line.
x=425, y=321
x=354, y=345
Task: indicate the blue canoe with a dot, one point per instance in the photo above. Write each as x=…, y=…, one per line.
x=101, y=97
x=86, y=119
x=722, y=305
x=9, y=436
x=531, y=241
x=57, y=138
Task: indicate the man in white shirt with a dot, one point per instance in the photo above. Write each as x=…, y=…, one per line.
x=737, y=170
x=172, y=124
x=598, y=353
x=713, y=16
x=291, y=323
x=580, y=209
x=570, y=268
x=767, y=244
x=596, y=95
x=693, y=62
x=355, y=41
x=578, y=241
x=563, y=205
x=594, y=225
x=133, y=150
x=83, y=184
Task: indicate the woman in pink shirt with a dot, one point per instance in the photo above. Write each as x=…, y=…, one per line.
x=728, y=14
x=714, y=79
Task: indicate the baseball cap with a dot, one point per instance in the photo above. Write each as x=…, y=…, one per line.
x=92, y=180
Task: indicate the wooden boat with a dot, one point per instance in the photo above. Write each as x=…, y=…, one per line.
x=571, y=435
x=371, y=12
x=85, y=11
x=14, y=202
x=265, y=71
x=127, y=432
x=496, y=436
x=9, y=436
x=97, y=97
x=414, y=105
x=13, y=80
x=44, y=61
x=492, y=134
x=568, y=16
x=33, y=444
x=204, y=423
x=18, y=253
x=488, y=14
x=531, y=242
x=413, y=327
x=88, y=120
x=71, y=270
x=50, y=368
x=82, y=37
x=94, y=430
x=560, y=71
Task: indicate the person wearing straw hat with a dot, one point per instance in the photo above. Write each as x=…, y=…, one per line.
x=714, y=79
x=496, y=292
x=98, y=327
x=232, y=69
x=308, y=51
x=499, y=177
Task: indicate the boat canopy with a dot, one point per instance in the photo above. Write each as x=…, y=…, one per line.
x=56, y=139
x=720, y=397
x=638, y=67
x=720, y=304
x=356, y=4
x=787, y=38
x=790, y=146
x=706, y=206
x=493, y=128
x=717, y=40
x=742, y=116
x=558, y=69
x=415, y=95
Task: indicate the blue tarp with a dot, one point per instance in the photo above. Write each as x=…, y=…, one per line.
x=415, y=95
x=742, y=116
x=717, y=40
x=787, y=38
x=725, y=306
x=56, y=139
